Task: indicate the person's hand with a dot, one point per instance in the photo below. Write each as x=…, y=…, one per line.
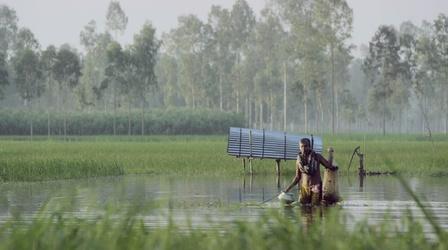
x=335, y=168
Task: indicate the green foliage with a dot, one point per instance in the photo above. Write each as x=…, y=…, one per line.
x=236, y=62
x=51, y=169
x=67, y=69
x=187, y=155
x=349, y=106
x=114, y=71
x=409, y=154
x=383, y=67
x=8, y=28
x=25, y=40
x=143, y=58
x=4, y=76
x=88, y=37
x=191, y=41
x=441, y=40
x=28, y=75
x=93, y=85
x=116, y=19
x=274, y=230
x=173, y=121
x=242, y=21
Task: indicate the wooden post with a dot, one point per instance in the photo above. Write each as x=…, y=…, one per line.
x=361, y=183
x=277, y=164
x=278, y=182
x=251, y=171
x=330, y=155
x=243, y=160
x=251, y=179
x=362, y=172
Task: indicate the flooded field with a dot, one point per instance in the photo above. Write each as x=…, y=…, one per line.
x=212, y=201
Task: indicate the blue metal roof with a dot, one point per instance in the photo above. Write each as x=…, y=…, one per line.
x=256, y=143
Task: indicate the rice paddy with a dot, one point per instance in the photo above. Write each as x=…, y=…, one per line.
x=42, y=159
x=121, y=226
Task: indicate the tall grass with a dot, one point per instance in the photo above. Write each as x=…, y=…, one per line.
x=289, y=228
x=89, y=156
x=409, y=154
x=48, y=169
x=273, y=230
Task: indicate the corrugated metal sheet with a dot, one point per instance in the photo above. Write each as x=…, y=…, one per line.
x=255, y=143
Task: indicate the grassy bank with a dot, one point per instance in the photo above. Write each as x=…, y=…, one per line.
x=42, y=159
x=272, y=231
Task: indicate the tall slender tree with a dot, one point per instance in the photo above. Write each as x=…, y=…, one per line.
x=4, y=75
x=116, y=19
x=267, y=42
x=115, y=75
x=308, y=49
x=89, y=36
x=167, y=75
x=222, y=59
x=128, y=83
x=66, y=71
x=28, y=78
x=441, y=46
x=334, y=18
x=93, y=86
x=27, y=69
x=383, y=67
x=242, y=22
x=48, y=61
x=8, y=29
x=144, y=52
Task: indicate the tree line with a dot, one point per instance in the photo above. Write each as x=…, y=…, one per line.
x=290, y=67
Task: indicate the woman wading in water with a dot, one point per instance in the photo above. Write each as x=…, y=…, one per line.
x=308, y=172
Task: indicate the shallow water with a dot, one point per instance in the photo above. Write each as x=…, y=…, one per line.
x=208, y=202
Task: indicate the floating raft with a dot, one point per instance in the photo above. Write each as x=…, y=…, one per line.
x=262, y=144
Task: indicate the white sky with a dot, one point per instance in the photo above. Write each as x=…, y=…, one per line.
x=60, y=21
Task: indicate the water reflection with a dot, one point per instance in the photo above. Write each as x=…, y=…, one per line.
x=222, y=199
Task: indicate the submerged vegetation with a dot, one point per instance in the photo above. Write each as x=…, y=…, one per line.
x=43, y=159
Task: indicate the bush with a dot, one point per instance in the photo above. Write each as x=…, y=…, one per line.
x=171, y=121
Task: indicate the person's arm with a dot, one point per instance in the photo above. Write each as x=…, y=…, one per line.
x=325, y=163
x=296, y=179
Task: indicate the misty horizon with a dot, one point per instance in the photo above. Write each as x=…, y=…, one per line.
x=58, y=22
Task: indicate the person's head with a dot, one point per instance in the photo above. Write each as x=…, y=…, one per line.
x=305, y=146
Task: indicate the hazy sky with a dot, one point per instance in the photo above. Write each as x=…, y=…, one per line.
x=60, y=21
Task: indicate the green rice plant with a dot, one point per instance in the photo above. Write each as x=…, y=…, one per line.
x=274, y=230
x=49, y=169
x=160, y=155
x=408, y=154
x=189, y=155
